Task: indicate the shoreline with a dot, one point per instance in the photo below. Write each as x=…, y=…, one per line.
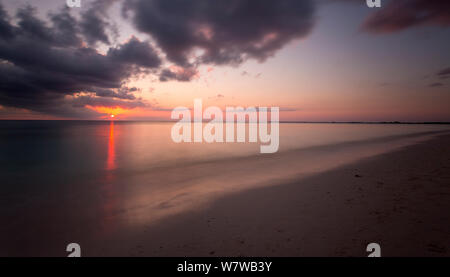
x=309, y=202
x=398, y=199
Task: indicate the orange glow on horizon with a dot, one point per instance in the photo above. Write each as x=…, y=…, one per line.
x=119, y=113
x=111, y=112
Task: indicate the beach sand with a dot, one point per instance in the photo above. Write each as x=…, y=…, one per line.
x=400, y=200
x=308, y=202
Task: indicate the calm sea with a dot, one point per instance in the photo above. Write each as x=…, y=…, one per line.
x=62, y=181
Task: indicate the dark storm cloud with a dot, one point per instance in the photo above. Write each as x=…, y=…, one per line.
x=95, y=22
x=66, y=29
x=43, y=65
x=94, y=27
x=227, y=31
x=178, y=74
x=52, y=65
x=398, y=15
x=136, y=52
x=122, y=93
x=6, y=30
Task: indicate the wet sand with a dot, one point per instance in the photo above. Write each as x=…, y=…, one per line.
x=400, y=200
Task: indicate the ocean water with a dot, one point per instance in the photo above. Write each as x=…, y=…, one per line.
x=69, y=180
x=84, y=147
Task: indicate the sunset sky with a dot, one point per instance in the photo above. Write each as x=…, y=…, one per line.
x=318, y=60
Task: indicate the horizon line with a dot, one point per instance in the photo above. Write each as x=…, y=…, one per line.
x=295, y=121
